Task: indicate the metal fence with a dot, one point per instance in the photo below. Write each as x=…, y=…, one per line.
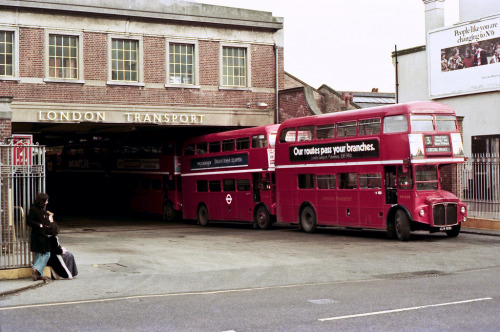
x=22, y=176
x=478, y=183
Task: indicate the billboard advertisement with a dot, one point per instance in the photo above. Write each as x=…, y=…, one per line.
x=464, y=58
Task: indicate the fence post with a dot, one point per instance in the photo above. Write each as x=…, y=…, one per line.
x=5, y=131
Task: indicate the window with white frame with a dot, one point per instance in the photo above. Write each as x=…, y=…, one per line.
x=235, y=66
x=181, y=64
x=63, y=57
x=124, y=60
x=8, y=48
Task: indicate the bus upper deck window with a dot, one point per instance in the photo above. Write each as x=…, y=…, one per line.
x=446, y=123
x=242, y=143
x=259, y=141
x=214, y=147
x=395, y=124
x=228, y=145
x=369, y=127
x=288, y=135
x=201, y=148
x=189, y=150
x=325, y=131
x=421, y=123
x=346, y=129
x=305, y=133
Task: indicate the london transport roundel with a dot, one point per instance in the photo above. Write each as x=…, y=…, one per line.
x=229, y=199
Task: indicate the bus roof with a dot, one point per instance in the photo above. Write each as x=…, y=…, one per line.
x=235, y=133
x=422, y=107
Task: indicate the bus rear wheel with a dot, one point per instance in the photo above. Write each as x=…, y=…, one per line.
x=202, y=216
x=308, y=219
x=263, y=218
x=402, y=225
x=455, y=230
x=169, y=214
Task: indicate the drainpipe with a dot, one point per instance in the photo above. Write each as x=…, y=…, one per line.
x=396, y=66
x=276, y=120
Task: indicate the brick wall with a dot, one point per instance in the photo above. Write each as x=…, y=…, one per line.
x=293, y=104
x=5, y=129
x=209, y=61
x=95, y=59
x=31, y=52
x=154, y=60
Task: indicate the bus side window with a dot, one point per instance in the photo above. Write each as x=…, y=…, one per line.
x=395, y=124
x=242, y=143
x=325, y=131
x=305, y=133
x=325, y=181
x=228, y=145
x=346, y=129
x=259, y=141
x=306, y=181
x=370, y=181
x=201, y=186
x=288, y=135
x=243, y=184
x=228, y=184
x=214, y=186
x=214, y=147
x=189, y=150
x=347, y=181
x=201, y=148
x=369, y=127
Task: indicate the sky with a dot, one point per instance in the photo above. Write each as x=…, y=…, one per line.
x=346, y=44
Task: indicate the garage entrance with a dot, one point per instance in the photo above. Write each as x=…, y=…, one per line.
x=101, y=171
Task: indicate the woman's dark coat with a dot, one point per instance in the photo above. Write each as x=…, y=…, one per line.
x=39, y=235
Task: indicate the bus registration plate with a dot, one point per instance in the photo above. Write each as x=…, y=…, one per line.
x=445, y=228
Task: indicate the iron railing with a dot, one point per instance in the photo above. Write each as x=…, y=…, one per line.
x=478, y=185
x=22, y=176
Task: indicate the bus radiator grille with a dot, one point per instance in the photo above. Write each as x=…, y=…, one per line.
x=445, y=214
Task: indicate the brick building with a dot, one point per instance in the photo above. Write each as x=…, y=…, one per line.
x=105, y=67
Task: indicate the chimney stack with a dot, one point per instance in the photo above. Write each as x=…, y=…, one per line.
x=434, y=15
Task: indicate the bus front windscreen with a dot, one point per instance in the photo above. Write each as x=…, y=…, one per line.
x=420, y=123
x=426, y=177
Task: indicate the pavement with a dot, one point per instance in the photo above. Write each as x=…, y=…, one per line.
x=8, y=287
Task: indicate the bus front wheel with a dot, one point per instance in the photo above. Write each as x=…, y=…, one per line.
x=202, y=216
x=308, y=219
x=263, y=218
x=402, y=225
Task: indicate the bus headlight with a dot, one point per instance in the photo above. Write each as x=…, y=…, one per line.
x=421, y=212
x=462, y=209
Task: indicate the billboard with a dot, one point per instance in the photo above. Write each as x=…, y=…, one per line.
x=464, y=58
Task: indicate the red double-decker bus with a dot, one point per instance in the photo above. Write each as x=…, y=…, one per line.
x=229, y=176
x=375, y=168
x=149, y=176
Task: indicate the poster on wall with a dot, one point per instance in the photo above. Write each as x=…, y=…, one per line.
x=464, y=58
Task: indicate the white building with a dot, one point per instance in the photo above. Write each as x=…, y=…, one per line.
x=472, y=89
